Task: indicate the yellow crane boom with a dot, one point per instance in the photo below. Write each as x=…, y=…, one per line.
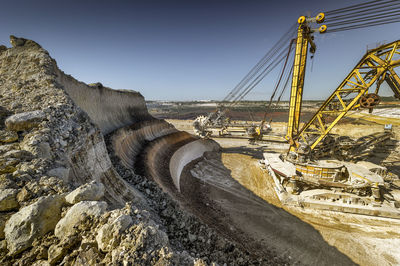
x=376, y=66
x=304, y=38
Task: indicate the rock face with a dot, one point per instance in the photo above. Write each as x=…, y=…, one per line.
x=31, y=222
x=129, y=142
x=75, y=215
x=109, y=109
x=186, y=154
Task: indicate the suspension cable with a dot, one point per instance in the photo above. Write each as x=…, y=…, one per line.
x=282, y=73
x=373, y=13
x=286, y=84
x=279, y=79
x=271, y=56
x=362, y=13
x=261, y=63
x=385, y=15
x=259, y=78
x=266, y=59
x=359, y=26
x=356, y=7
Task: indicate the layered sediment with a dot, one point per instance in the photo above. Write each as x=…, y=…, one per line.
x=62, y=199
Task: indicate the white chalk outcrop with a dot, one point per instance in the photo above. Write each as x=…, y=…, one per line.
x=186, y=154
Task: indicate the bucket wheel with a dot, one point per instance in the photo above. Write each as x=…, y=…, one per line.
x=200, y=125
x=369, y=100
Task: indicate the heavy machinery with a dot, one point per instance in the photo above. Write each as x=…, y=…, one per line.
x=356, y=91
x=316, y=169
x=217, y=124
x=301, y=177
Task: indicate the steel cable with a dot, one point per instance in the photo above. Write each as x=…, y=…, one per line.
x=260, y=77
x=287, y=79
x=361, y=14
x=357, y=16
x=286, y=84
x=266, y=59
x=256, y=68
x=391, y=15
x=282, y=73
x=359, y=26
x=357, y=6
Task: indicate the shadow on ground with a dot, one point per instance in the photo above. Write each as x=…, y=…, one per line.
x=220, y=201
x=255, y=152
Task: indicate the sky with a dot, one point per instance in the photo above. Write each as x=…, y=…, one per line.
x=183, y=50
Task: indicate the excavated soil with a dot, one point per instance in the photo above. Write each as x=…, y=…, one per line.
x=188, y=223
x=365, y=240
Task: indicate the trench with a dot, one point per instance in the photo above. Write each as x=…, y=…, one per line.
x=191, y=172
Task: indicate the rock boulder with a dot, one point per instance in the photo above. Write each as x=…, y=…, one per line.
x=76, y=215
x=31, y=222
x=25, y=121
x=87, y=192
x=8, y=199
x=109, y=232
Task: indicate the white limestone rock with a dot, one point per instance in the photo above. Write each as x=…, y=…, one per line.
x=25, y=121
x=31, y=222
x=75, y=215
x=8, y=199
x=107, y=236
x=87, y=192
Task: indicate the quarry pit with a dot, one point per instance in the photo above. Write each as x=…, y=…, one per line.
x=89, y=176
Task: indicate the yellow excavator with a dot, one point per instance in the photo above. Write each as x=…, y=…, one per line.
x=355, y=91
x=298, y=170
x=343, y=185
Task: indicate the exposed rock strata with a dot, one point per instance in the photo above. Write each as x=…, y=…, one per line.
x=54, y=166
x=109, y=109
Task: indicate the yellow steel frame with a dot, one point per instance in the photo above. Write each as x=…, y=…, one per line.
x=296, y=93
x=304, y=38
x=373, y=67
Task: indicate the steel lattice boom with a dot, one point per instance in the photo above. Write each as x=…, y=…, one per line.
x=376, y=66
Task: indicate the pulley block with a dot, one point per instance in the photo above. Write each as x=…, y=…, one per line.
x=369, y=100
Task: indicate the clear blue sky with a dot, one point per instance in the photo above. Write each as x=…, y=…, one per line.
x=182, y=50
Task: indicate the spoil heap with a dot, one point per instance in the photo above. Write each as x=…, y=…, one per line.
x=62, y=200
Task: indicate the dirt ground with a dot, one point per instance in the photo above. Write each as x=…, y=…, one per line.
x=366, y=240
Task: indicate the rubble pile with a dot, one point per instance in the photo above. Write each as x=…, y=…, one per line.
x=61, y=199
